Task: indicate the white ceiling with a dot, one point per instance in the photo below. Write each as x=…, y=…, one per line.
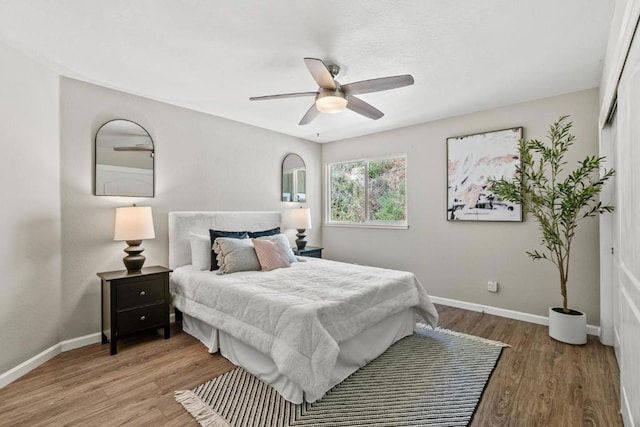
x=212, y=55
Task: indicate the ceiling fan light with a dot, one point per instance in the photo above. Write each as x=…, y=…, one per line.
x=331, y=103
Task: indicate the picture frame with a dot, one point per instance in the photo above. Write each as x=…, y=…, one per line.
x=472, y=160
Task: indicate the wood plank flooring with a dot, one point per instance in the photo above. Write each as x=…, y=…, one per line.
x=537, y=382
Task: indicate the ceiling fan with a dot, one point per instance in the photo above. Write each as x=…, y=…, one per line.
x=332, y=97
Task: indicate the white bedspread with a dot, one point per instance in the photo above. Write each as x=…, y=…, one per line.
x=299, y=315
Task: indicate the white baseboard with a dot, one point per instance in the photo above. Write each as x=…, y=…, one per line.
x=27, y=366
x=503, y=312
x=74, y=343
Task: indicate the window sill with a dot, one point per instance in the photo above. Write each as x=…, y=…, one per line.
x=367, y=225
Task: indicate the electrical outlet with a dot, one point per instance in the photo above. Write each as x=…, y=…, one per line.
x=492, y=286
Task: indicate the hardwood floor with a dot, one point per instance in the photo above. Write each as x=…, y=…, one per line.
x=537, y=382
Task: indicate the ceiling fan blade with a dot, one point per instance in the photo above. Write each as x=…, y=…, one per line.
x=282, y=95
x=311, y=114
x=359, y=106
x=320, y=73
x=376, y=85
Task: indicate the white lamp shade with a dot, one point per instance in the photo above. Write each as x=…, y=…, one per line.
x=134, y=223
x=299, y=218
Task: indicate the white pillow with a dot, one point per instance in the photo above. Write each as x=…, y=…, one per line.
x=235, y=255
x=283, y=243
x=200, y=251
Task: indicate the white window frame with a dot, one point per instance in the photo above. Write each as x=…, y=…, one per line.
x=368, y=223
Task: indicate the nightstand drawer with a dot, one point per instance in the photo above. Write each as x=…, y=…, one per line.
x=140, y=318
x=143, y=292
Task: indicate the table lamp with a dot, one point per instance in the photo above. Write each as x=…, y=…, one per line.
x=300, y=219
x=133, y=224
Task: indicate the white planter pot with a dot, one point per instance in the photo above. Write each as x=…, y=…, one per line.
x=568, y=328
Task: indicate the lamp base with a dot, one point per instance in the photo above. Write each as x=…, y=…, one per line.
x=134, y=260
x=301, y=241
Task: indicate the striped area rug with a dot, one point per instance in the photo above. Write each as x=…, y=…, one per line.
x=432, y=378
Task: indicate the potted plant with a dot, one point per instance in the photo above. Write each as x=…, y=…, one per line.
x=557, y=201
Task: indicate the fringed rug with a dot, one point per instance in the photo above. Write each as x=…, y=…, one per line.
x=432, y=378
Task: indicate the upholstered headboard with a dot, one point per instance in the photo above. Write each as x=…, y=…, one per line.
x=183, y=223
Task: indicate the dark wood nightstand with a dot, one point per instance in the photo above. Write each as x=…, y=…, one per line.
x=311, y=251
x=134, y=303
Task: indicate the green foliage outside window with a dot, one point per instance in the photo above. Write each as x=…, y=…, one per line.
x=347, y=192
x=385, y=195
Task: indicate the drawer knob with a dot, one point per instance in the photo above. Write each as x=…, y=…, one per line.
x=142, y=293
x=143, y=317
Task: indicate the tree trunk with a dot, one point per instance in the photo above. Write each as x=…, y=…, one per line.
x=563, y=290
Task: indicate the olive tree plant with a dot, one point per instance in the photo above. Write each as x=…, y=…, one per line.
x=557, y=200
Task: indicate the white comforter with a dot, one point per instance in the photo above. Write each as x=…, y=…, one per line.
x=299, y=315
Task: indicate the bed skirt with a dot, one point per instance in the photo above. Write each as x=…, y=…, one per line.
x=354, y=353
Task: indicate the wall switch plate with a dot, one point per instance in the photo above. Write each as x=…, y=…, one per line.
x=492, y=286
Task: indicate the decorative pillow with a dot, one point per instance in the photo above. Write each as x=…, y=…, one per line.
x=200, y=251
x=270, y=254
x=235, y=255
x=255, y=234
x=214, y=234
x=283, y=243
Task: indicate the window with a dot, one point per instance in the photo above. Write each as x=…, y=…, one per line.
x=368, y=192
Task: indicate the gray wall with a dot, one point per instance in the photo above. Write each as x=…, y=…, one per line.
x=57, y=235
x=202, y=163
x=455, y=260
x=30, y=215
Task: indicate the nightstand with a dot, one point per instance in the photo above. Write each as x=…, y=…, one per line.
x=134, y=303
x=311, y=251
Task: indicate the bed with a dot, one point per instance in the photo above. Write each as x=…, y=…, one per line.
x=301, y=329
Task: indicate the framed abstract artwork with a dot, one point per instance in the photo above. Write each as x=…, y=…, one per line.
x=472, y=160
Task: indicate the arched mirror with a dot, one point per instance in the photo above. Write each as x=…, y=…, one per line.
x=294, y=179
x=124, y=160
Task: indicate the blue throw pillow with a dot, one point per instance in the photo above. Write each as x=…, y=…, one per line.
x=256, y=234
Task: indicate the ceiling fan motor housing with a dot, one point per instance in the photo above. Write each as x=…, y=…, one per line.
x=333, y=69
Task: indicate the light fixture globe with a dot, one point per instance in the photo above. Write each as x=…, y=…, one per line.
x=331, y=101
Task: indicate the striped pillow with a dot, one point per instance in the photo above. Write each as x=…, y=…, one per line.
x=270, y=255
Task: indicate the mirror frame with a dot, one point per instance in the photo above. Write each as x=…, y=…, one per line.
x=282, y=172
x=95, y=162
